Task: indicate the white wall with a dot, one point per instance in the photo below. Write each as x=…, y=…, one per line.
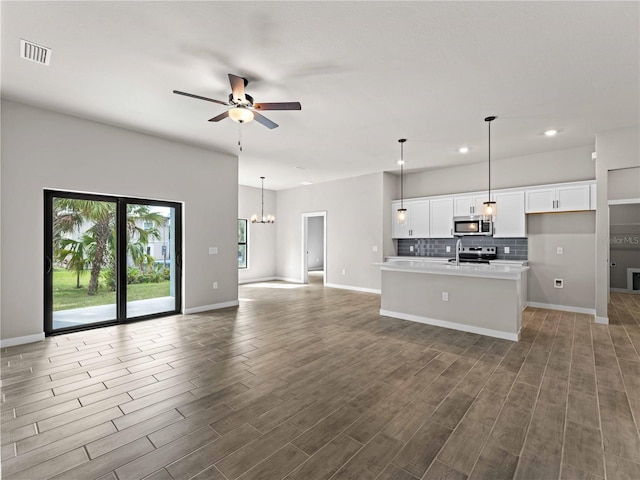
x=315, y=243
x=46, y=150
x=557, y=166
x=262, y=237
x=616, y=149
x=354, y=219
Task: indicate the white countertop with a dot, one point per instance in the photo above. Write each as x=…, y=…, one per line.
x=500, y=271
x=446, y=259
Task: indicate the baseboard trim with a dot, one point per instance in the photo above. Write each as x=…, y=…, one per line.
x=624, y=290
x=288, y=279
x=355, y=289
x=12, y=342
x=215, y=306
x=602, y=320
x=514, y=337
x=257, y=280
x=563, y=308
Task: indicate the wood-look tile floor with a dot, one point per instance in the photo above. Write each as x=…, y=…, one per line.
x=306, y=382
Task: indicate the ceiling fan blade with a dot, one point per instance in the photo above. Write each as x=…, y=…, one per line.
x=237, y=87
x=278, y=106
x=264, y=120
x=199, y=97
x=222, y=116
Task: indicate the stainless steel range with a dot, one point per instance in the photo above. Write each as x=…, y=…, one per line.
x=476, y=254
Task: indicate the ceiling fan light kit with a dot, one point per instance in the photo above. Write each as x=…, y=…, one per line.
x=244, y=110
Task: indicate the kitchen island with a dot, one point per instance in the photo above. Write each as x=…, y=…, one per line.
x=483, y=299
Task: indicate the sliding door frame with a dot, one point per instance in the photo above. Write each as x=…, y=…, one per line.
x=121, y=258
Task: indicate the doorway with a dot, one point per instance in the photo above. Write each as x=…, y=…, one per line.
x=314, y=247
x=109, y=260
x=624, y=246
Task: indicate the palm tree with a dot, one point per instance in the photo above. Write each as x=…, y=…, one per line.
x=98, y=243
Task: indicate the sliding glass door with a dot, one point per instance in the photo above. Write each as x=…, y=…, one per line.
x=109, y=260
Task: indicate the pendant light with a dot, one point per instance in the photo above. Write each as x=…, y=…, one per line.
x=263, y=219
x=490, y=205
x=401, y=215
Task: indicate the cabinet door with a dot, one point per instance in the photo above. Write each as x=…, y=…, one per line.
x=399, y=230
x=571, y=198
x=419, y=218
x=540, y=200
x=510, y=219
x=441, y=217
x=469, y=205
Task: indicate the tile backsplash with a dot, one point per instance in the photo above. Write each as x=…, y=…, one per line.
x=436, y=247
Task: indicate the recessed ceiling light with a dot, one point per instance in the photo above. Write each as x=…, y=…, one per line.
x=463, y=150
x=300, y=168
x=551, y=133
x=306, y=183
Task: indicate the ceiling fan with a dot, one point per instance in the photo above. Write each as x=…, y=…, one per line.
x=243, y=109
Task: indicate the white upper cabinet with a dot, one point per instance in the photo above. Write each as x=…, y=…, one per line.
x=469, y=204
x=441, y=217
x=558, y=198
x=417, y=225
x=510, y=219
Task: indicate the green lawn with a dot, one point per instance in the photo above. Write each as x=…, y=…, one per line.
x=66, y=296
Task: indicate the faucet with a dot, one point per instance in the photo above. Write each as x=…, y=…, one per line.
x=458, y=244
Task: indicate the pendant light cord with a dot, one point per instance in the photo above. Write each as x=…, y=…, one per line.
x=402, y=175
x=490, y=160
x=262, y=218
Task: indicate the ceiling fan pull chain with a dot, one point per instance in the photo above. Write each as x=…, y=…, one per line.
x=240, y=136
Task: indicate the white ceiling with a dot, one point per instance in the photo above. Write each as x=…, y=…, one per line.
x=366, y=73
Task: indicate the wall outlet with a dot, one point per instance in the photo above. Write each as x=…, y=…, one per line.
x=215, y=285
x=507, y=249
x=447, y=249
x=344, y=272
x=374, y=248
x=559, y=250
x=411, y=248
x=445, y=296
x=558, y=283
x=213, y=250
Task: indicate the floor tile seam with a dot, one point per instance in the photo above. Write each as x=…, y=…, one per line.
x=634, y=418
x=566, y=412
x=595, y=374
x=493, y=425
x=263, y=460
x=539, y=389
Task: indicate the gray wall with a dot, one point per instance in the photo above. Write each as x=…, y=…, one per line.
x=315, y=243
x=46, y=150
x=616, y=150
x=558, y=166
x=575, y=233
x=354, y=225
x=262, y=237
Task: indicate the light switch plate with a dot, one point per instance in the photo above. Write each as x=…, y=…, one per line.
x=213, y=250
x=374, y=248
x=559, y=250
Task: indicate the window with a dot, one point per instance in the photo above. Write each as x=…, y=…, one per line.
x=242, y=243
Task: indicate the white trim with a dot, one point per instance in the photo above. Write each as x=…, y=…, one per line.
x=288, y=279
x=624, y=290
x=602, y=320
x=215, y=306
x=256, y=280
x=11, y=342
x=624, y=201
x=355, y=289
x=454, y=326
x=563, y=308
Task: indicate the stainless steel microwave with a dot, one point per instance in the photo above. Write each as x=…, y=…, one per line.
x=473, y=225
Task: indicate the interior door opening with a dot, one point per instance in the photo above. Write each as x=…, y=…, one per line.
x=109, y=260
x=314, y=247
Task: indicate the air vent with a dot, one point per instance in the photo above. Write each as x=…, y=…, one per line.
x=35, y=53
